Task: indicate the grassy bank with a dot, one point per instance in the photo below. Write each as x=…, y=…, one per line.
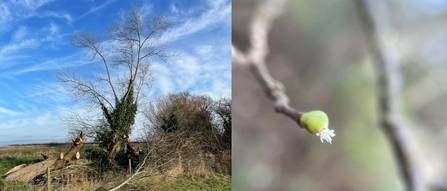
x=7, y=163
x=15, y=155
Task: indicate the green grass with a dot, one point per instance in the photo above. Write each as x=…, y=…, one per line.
x=8, y=163
x=15, y=185
x=216, y=183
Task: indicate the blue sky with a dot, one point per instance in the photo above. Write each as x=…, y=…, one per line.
x=34, y=45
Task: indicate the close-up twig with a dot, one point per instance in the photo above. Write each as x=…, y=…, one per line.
x=255, y=59
x=261, y=23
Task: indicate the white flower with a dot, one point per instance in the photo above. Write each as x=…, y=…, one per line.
x=326, y=134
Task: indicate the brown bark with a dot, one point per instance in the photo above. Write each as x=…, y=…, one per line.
x=28, y=173
x=116, y=147
x=15, y=169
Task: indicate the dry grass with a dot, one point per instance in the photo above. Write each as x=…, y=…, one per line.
x=32, y=151
x=141, y=182
x=174, y=164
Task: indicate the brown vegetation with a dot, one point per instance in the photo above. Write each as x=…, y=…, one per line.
x=194, y=129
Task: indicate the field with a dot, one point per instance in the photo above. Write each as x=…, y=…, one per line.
x=11, y=156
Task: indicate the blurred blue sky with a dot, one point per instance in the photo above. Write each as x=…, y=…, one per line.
x=34, y=44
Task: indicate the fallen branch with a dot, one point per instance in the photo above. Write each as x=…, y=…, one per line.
x=15, y=169
x=45, y=157
x=136, y=172
x=28, y=173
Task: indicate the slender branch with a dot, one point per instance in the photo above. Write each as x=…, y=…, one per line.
x=81, y=86
x=158, y=25
x=264, y=15
x=91, y=42
x=133, y=175
x=392, y=121
x=142, y=78
x=108, y=73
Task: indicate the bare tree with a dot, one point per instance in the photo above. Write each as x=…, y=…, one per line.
x=132, y=45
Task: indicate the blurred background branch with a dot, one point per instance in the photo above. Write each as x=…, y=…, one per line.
x=389, y=82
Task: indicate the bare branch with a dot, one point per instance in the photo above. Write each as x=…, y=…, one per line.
x=86, y=123
x=138, y=36
x=91, y=42
x=392, y=121
x=80, y=88
x=261, y=23
x=145, y=73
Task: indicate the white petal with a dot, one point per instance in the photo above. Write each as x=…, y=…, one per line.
x=326, y=134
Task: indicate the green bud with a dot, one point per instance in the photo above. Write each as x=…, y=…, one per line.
x=317, y=123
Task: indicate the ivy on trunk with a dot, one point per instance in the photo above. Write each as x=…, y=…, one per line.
x=118, y=123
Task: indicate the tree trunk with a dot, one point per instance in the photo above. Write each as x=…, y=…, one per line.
x=28, y=173
x=116, y=147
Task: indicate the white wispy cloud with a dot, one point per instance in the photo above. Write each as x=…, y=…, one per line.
x=31, y=5
x=13, y=11
x=25, y=44
x=146, y=8
x=6, y=15
x=45, y=92
x=52, y=34
x=8, y=112
x=94, y=9
x=207, y=69
x=74, y=60
x=172, y=8
x=54, y=29
x=65, y=16
x=43, y=119
x=20, y=33
x=163, y=80
x=218, y=12
x=194, y=74
x=22, y=41
x=4, y=85
x=25, y=105
x=203, y=49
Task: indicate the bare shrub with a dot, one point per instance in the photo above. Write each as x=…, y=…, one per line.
x=189, y=134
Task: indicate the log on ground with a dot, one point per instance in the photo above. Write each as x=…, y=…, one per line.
x=28, y=173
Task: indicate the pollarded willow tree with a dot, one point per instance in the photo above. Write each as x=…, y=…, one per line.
x=131, y=46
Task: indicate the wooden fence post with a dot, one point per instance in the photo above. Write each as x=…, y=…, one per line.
x=130, y=166
x=48, y=179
